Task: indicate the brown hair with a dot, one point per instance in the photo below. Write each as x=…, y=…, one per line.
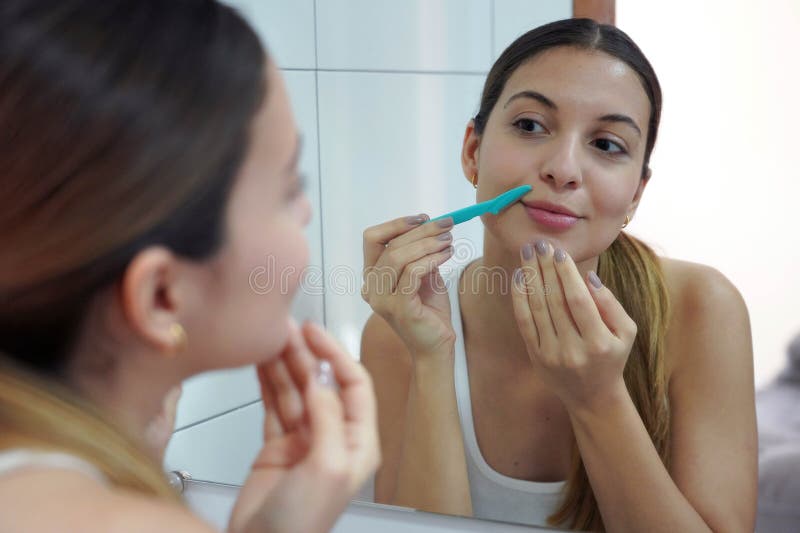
x=629, y=268
x=122, y=126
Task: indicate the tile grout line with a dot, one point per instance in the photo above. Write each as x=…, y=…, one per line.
x=319, y=166
x=491, y=32
x=212, y=417
x=389, y=71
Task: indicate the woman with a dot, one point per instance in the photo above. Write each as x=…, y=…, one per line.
x=571, y=376
x=149, y=162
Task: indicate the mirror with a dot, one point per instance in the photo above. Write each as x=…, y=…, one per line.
x=382, y=92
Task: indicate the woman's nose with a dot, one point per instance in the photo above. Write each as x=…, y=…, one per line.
x=561, y=167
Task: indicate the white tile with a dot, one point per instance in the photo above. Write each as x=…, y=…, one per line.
x=430, y=35
x=222, y=449
x=390, y=146
x=212, y=393
x=211, y=502
x=512, y=18
x=287, y=28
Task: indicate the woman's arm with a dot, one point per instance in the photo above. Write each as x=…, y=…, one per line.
x=712, y=482
x=579, y=339
x=424, y=466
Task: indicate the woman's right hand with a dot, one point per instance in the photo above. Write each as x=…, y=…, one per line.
x=402, y=282
x=320, y=438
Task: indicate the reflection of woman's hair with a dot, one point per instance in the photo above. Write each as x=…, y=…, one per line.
x=122, y=125
x=629, y=268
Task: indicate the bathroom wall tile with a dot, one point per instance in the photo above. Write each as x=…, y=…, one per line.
x=512, y=18
x=287, y=28
x=429, y=35
x=221, y=449
x=390, y=145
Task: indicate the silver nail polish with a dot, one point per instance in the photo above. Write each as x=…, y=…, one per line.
x=415, y=220
x=445, y=222
x=527, y=251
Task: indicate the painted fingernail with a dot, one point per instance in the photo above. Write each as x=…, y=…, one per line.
x=416, y=220
x=594, y=280
x=527, y=251
x=541, y=247
x=324, y=374
x=560, y=255
x=445, y=222
x=445, y=236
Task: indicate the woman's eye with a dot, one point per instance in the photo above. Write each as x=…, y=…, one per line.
x=528, y=125
x=609, y=146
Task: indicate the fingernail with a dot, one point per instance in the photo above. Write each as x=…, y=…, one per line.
x=416, y=220
x=445, y=236
x=324, y=374
x=560, y=255
x=594, y=280
x=541, y=247
x=527, y=251
x=445, y=222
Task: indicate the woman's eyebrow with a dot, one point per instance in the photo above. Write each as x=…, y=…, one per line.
x=625, y=119
x=535, y=96
x=613, y=117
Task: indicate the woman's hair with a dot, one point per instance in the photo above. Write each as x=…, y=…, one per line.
x=122, y=125
x=629, y=268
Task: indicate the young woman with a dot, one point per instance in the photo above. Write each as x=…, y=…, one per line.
x=149, y=163
x=571, y=376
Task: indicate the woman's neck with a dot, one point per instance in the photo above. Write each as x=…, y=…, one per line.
x=131, y=389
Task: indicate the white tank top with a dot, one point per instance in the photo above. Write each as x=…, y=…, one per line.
x=19, y=458
x=494, y=495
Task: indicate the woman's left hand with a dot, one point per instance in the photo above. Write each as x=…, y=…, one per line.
x=578, y=335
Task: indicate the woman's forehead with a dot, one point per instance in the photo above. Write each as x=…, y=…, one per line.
x=572, y=77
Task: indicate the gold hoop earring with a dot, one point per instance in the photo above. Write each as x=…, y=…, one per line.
x=627, y=221
x=475, y=181
x=179, y=337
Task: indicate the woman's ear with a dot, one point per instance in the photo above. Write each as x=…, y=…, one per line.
x=150, y=297
x=469, y=151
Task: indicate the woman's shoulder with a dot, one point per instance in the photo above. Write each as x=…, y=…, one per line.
x=696, y=287
x=705, y=305
x=53, y=499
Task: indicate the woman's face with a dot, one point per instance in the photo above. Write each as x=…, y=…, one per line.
x=243, y=313
x=572, y=124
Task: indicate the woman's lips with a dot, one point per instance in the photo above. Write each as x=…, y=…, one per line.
x=550, y=219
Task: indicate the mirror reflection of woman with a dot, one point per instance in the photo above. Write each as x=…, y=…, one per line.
x=148, y=164
x=591, y=384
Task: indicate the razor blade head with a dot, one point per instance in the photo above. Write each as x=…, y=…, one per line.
x=509, y=197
